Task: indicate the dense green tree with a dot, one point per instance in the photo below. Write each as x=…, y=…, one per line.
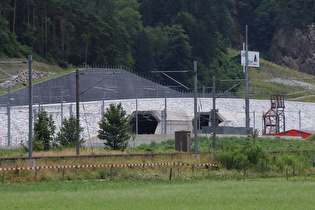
x=44, y=130
x=159, y=41
x=295, y=13
x=146, y=35
x=9, y=46
x=178, y=54
x=263, y=32
x=66, y=137
x=114, y=127
x=143, y=53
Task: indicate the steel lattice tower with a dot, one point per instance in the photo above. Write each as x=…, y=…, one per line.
x=274, y=119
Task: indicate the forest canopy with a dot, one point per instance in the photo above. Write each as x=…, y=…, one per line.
x=147, y=35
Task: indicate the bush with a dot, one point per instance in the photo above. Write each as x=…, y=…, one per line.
x=296, y=161
x=63, y=64
x=244, y=157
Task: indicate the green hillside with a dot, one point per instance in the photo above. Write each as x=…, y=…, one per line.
x=272, y=79
x=153, y=35
x=147, y=35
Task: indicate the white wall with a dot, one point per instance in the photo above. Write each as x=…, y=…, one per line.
x=232, y=109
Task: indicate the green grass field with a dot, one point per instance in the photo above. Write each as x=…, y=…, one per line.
x=259, y=194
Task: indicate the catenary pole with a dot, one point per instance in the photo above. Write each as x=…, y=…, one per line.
x=77, y=113
x=246, y=84
x=195, y=106
x=165, y=115
x=61, y=123
x=30, y=122
x=8, y=105
x=213, y=113
x=137, y=119
x=195, y=123
x=9, y=118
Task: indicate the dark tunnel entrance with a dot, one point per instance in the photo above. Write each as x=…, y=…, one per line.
x=204, y=120
x=147, y=122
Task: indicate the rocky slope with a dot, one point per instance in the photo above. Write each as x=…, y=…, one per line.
x=294, y=49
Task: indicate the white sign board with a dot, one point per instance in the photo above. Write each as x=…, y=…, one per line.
x=253, y=58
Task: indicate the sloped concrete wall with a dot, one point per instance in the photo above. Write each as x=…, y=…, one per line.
x=297, y=114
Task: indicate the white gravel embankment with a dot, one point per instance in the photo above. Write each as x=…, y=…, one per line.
x=298, y=115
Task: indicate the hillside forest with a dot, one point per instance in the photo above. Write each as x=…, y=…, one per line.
x=148, y=35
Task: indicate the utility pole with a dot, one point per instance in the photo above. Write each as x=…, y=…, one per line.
x=103, y=103
x=246, y=84
x=195, y=95
x=213, y=113
x=8, y=108
x=137, y=117
x=9, y=118
x=30, y=110
x=77, y=113
x=214, y=97
x=61, y=123
x=195, y=106
x=77, y=77
x=165, y=115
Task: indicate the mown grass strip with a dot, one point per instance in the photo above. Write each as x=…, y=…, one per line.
x=261, y=194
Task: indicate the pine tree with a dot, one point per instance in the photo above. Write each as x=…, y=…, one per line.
x=67, y=134
x=44, y=130
x=114, y=127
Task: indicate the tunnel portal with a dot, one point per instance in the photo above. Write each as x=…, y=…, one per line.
x=147, y=122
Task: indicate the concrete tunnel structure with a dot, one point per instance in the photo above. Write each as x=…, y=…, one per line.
x=153, y=122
